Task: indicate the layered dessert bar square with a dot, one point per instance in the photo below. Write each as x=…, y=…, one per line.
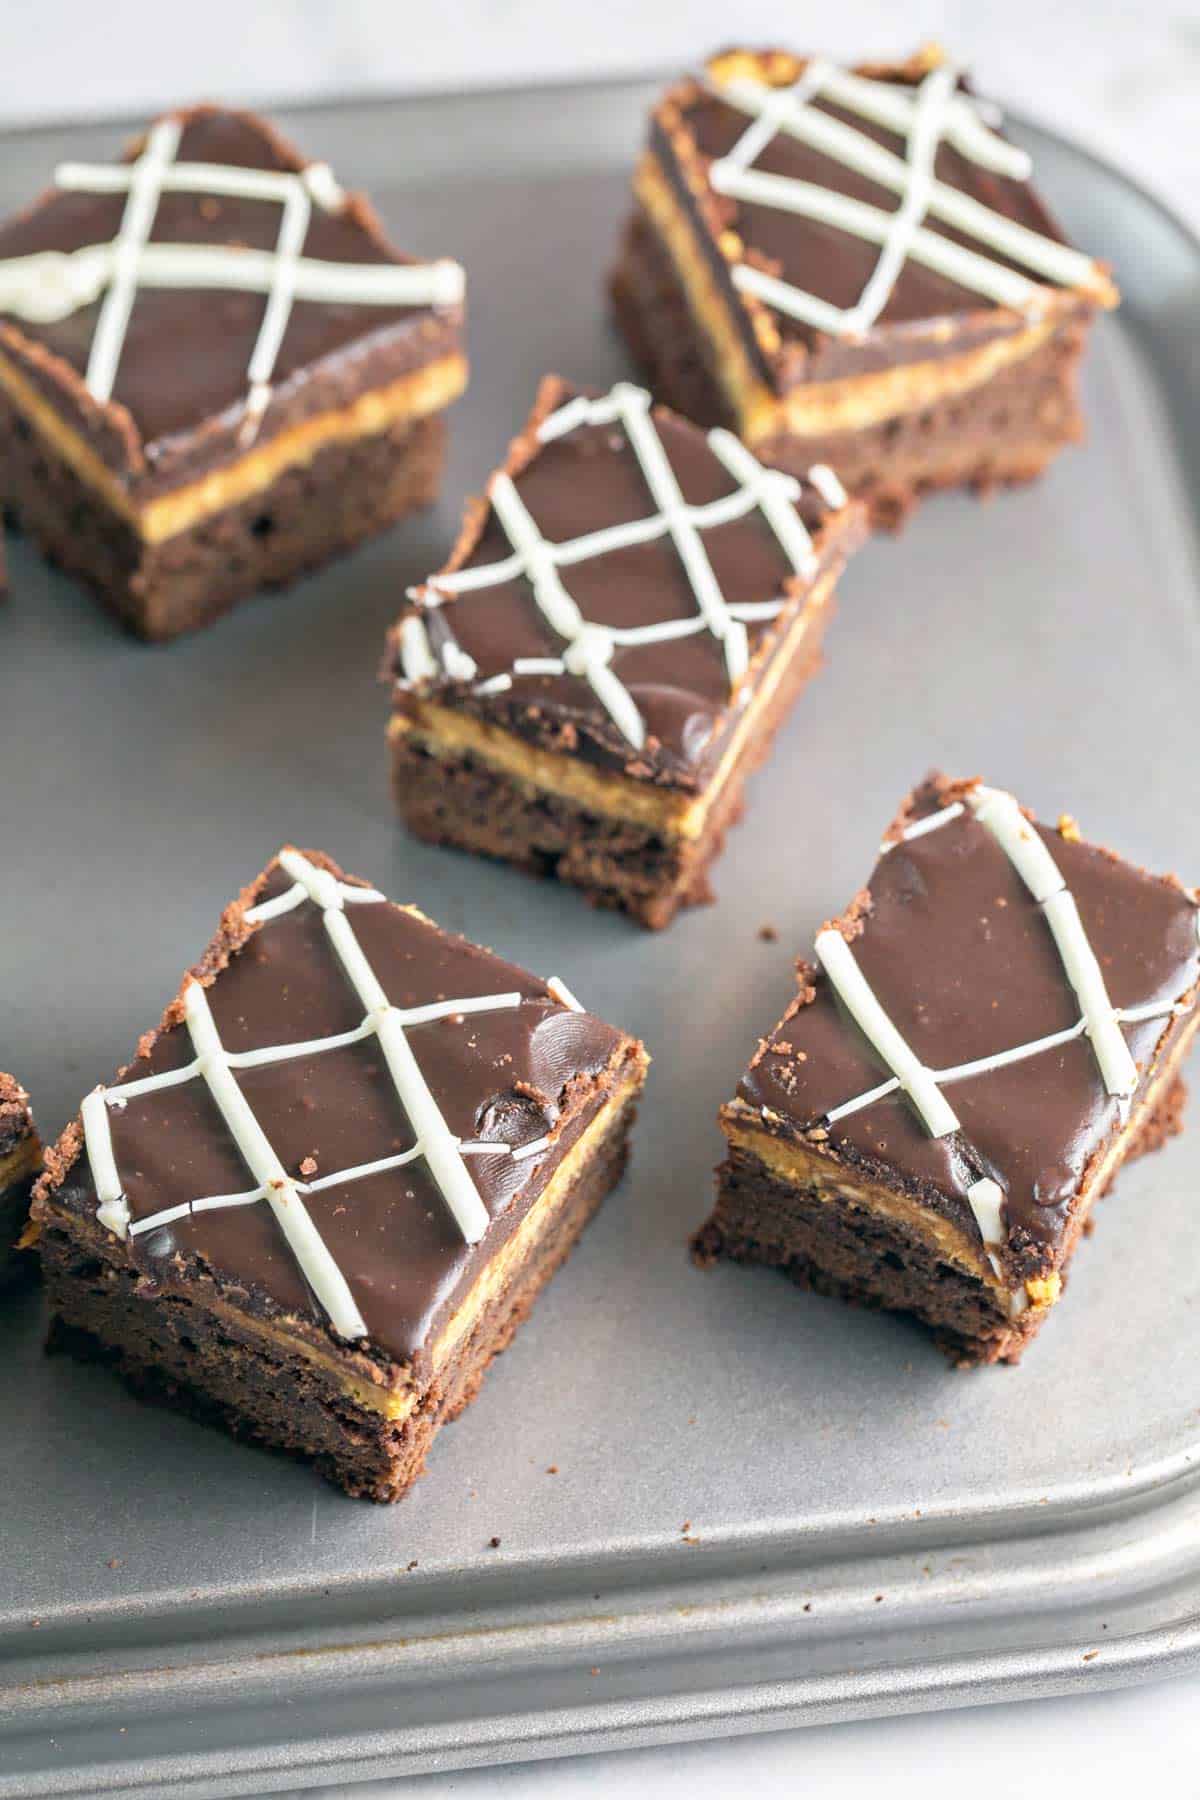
x=20, y=1164
x=215, y=370
x=624, y=622
x=330, y=1184
x=993, y=1027
x=852, y=267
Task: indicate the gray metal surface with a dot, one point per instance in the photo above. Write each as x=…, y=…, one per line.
x=874, y=1531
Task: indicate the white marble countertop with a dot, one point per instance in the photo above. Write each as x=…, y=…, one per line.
x=1123, y=79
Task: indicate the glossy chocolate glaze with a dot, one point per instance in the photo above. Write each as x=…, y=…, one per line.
x=509, y=1077
x=963, y=962
x=581, y=482
x=186, y=353
x=927, y=316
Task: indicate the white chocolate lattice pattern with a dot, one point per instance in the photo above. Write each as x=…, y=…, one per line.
x=589, y=647
x=933, y=112
x=435, y=1143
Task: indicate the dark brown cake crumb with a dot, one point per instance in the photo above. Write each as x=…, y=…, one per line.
x=21, y=1150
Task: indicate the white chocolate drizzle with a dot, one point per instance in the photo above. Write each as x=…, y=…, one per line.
x=52, y=284
x=435, y=1143
x=933, y=112
x=858, y=997
x=589, y=648
x=931, y=822
x=985, y=1196
x=828, y=486
x=1099, y=1020
x=1027, y=852
x=1002, y=1059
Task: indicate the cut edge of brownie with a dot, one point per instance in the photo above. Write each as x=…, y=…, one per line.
x=20, y=1167
x=311, y=513
x=838, y=1247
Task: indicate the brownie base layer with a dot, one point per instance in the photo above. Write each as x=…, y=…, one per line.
x=470, y=804
x=16, y=1266
x=1001, y=432
x=850, y=1252
x=348, y=492
x=172, y=1351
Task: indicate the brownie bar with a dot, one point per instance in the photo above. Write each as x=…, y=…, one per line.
x=995, y=1026
x=332, y=1182
x=20, y=1165
x=211, y=382
x=622, y=626
x=767, y=281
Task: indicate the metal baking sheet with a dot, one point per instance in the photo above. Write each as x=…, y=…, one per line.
x=868, y=1531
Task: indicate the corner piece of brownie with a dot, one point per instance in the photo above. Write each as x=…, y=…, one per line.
x=622, y=626
x=215, y=370
x=991, y=1030
x=331, y=1183
x=20, y=1165
x=852, y=267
